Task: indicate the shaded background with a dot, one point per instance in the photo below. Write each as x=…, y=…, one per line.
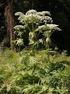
x=60, y=12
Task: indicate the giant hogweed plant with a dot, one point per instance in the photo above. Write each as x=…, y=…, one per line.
x=35, y=29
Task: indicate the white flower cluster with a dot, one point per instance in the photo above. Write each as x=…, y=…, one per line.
x=31, y=12
x=44, y=13
x=18, y=27
x=19, y=42
x=19, y=14
x=37, y=25
x=34, y=16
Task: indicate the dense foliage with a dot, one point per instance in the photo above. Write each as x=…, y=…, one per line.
x=30, y=72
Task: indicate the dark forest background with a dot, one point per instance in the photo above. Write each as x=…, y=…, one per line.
x=60, y=12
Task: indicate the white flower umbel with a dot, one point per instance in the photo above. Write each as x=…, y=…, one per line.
x=52, y=26
x=18, y=27
x=31, y=12
x=44, y=13
x=19, y=14
x=19, y=42
x=41, y=40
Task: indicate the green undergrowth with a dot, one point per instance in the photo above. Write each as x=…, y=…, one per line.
x=34, y=72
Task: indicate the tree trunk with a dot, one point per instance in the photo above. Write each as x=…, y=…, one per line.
x=9, y=20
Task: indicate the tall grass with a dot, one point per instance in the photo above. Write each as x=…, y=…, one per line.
x=34, y=72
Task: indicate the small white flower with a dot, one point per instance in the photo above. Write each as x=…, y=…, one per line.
x=40, y=40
